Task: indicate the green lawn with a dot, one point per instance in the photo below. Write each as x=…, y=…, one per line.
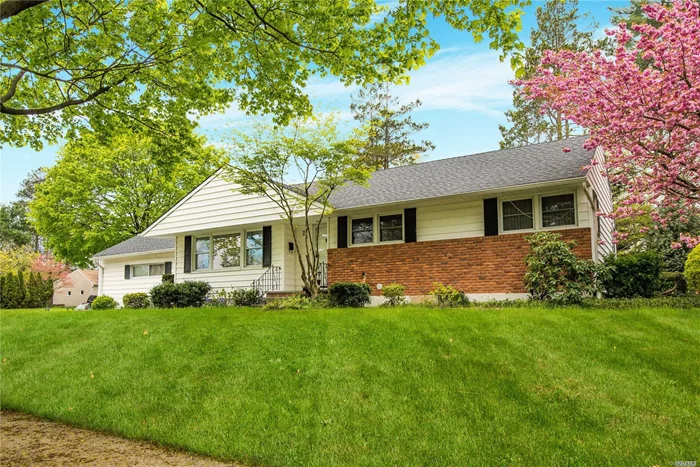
x=370, y=387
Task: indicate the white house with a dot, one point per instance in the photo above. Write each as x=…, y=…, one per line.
x=460, y=221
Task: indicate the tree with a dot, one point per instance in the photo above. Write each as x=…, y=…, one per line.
x=12, y=294
x=646, y=118
x=14, y=259
x=389, y=128
x=557, y=29
x=68, y=63
x=15, y=228
x=105, y=189
x=317, y=152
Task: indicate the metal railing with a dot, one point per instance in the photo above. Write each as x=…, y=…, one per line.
x=270, y=280
x=322, y=275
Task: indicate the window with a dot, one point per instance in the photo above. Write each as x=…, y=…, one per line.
x=253, y=248
x=140, y=270
x=201, y=253
x=145, y=270
x=69, y=292
x=517, y=215
x=82, y=292
x=362, y=230
x=227, y=251
x=558, y=210
x=391, y=228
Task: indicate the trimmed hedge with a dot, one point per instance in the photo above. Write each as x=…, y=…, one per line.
x=183, y=295
x=349, y=294
x=136, y=300
x=632, y=275
x=103, y=302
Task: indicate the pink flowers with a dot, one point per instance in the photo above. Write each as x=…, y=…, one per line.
x=565, y=149
x=646, y=118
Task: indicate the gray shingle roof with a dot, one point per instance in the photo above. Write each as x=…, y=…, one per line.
x=469, y=174
x=138, y=244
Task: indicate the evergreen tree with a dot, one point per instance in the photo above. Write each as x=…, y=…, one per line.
x=390, y=128
x=35, y=291
x=10, y=295
x=557, y=29
x=2, y=291
x=47, y=292
x=21, y=290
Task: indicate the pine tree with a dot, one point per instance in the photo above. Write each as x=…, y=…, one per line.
x=557, y=29
x=35, y=291
x=10, y=293
x=390, y=129
x=21, y=290
x=47, y=291
x=2, y=291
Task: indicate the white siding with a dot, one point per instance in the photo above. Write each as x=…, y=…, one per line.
x=454, y=218
x=599, y=182
x=231, y=277
x=113, y=282
x=215, y=204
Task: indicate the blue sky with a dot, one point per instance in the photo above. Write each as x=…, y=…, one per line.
x=464, y=89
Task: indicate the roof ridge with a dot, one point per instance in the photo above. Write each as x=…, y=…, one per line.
x=480, y=153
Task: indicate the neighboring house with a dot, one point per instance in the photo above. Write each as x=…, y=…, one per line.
x=76, y=287
x=460, y=221
x=134, y=265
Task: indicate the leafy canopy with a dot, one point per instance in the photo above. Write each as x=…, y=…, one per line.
x=298, y=168
x=104, y=190
x=68, y=62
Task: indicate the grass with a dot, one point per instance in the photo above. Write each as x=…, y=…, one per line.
x=404, y=386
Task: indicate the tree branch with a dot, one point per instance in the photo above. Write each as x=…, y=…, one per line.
x=10, y=8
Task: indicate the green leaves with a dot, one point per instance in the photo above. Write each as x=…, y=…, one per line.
x=104, y=190
x=68, y=64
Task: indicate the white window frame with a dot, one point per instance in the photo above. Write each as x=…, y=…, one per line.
x=375, y=229
x=500, y=215
x=537, y=224
x=541, y=211
x=149, y=270
x=243, y=259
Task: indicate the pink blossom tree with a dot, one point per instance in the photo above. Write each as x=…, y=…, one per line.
x=50, y=268
x=646, y=117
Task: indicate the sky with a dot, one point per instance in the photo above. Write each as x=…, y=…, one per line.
x=464, y=89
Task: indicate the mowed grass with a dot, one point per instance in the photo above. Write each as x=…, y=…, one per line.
x=404, y=386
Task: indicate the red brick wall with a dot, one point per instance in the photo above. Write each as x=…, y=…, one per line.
x=474, y=265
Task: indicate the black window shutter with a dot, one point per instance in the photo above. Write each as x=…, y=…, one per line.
x=409, y=219
x=491, y=217
x=188, y=253
x=127, y=271
x=343, y=232
x=168, y=267
x=267, y=246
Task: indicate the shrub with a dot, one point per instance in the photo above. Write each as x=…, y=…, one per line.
x=672, y=283
x=234, y=297
x=103, y=302
x=692, y=270
x=168, y=278
x=165, y=295
x=632, y=275
x=447, y=296
x=394, y=294
x=183, y=295
x=192, y=293
x=349, y=294
x=554, y=272
x=136, y=300
x=295, y=302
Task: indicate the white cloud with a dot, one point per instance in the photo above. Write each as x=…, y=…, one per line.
x=474, y=82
